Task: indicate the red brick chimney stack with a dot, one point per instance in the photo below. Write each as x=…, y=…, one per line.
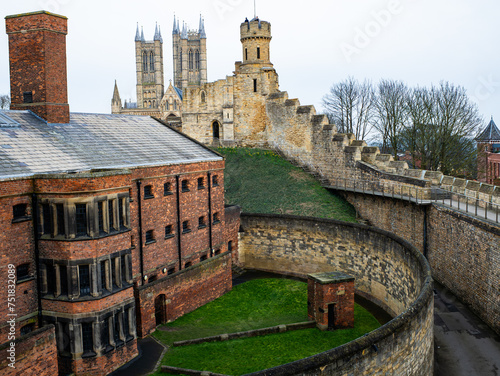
x=37, y=53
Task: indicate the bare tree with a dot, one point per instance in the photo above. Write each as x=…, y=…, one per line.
x=391, y=113
x=441, y=127
x=4, y=102
x=349, y=105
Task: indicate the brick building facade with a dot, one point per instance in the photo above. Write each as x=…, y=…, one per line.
x=113, y=224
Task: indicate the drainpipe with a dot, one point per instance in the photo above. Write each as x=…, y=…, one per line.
x=179, y=233
x=209, y=176
x=141, y=250
x=34, y=204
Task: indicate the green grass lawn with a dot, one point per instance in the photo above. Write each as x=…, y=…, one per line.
x=260, y=181
x=252, y=305
x=255, y=304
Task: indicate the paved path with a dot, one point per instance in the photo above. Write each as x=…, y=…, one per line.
x=464, y=345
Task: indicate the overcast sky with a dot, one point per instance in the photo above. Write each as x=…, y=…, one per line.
x=315, y=43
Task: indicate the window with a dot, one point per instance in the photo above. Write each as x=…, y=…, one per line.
x=230, y=246
x=148, y=192
x=201, y=183
x=28, y=97
x=87, y=337
x=20, y=211
x=145, y=62
x=215, y=181
x=60, y=219
x=203, y=97
x=150, y=237
x=216, y=218
x=100, y=216
x=121, y=212
x=84, y=280
x=23, y=272
x=246, y=54
x=190, y=60
x=171, y=271
x=151, y=62
x=202, y=222
x=104, y=280
x=117, y=331
x=254, y=85
x=27, y=328
x=187, y=265
x=185, y=186
x=167, y=189
x=197, y=59
x=169, y=231
x=126, y=323
x=63, y=274
x=111, y=214
x=81, y=219
x=51, y=279
x=115, y=273
x=124, y=268
x=175, y=105
x=258, y=52
x=46, y=218
x=203, y=258
x=105, y=333
x=185, y=227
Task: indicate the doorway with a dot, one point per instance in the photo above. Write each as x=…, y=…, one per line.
x=331, y=316
x=160, y=309
x=216, y=130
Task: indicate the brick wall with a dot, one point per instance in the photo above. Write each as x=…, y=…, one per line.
x=387, y=269
x=184, y=291
x=36, y=354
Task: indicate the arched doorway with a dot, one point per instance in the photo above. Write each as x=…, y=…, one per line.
x=215, y=130
x=160, y=309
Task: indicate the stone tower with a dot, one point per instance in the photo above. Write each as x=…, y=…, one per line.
x=38, y=76
x=190, y=55
x=149, y=68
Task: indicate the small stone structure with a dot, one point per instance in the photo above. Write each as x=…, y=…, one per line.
x=331, y=300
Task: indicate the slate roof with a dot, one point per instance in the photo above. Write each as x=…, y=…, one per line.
x=28, y=145
x=490, y=133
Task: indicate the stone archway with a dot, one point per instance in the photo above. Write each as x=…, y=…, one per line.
x=216, y=131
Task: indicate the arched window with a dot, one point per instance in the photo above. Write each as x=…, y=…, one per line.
x=175, y=105
x=167, y=105
x=145, y=61
x=180, y=61
x=152, y=62
x=203, y=97
x=190, y=60
x=197, y=59
x=149, y=104
x=154, y=103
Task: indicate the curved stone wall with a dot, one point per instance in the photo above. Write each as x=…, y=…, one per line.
x=388, y=270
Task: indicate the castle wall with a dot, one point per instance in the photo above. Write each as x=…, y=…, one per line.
x=387, y=269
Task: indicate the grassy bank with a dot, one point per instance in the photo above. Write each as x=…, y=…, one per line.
x=260, y=181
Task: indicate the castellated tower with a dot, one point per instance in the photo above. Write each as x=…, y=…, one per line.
x=190, y=55
x=255, y=79
x=149, y=68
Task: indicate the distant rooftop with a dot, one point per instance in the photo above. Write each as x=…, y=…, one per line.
x=490, y=133
x=28, y=145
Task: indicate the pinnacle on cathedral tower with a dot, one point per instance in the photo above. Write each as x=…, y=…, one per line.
x=176, y=27
x=137, y=34
x=158, y=34
x=142, y=35
x=184, y=34
x=201, y=31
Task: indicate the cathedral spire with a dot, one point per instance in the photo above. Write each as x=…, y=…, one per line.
x=137, y=34
x=157, y=34
x=116, y=102
x=142, y=35
x=175, y=30
x=184, y=34
x=203, y=34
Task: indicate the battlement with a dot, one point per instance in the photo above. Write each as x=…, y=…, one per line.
x=255, y=29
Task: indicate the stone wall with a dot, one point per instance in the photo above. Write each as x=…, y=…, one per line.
x=388, y=270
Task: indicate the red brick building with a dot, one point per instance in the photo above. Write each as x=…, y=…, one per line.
x=111, y=224
x=488, y=154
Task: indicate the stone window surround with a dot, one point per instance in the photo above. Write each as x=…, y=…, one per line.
x=113, y=265
x=92, y=216
x=97, y=321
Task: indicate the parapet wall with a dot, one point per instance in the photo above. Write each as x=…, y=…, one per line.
x=388, y=270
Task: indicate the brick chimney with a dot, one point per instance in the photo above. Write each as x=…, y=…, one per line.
x=37, y=53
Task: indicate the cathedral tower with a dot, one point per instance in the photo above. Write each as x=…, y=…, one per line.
x=190, y=55
x=149, y=67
